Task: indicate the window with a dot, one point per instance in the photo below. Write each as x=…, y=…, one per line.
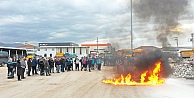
x=38, y=49
x=45, y=55
x=45, y=49
x=53, y=49
x=51, y=55
x=29, y=50
x=73, y=49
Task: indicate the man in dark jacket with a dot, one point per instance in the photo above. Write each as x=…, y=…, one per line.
x=68, y=62
x=81, y=63
x=19, y=70
x=62, y=62
x=34, y=66
x=51, y=63
x=42, y=64
x=57, y=65
x=47, y=67
x=89, y=63
x=40, y=57
x=29, y=62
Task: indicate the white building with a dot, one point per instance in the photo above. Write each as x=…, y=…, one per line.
x=51, y=49
x=31, y=49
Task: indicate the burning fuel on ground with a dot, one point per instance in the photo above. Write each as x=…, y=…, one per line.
x=148, y=68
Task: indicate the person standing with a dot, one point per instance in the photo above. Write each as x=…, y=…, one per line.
x=81, y=63
x=23, y=65
x=76, y=64
x=19, y=70
x=92, y=63
x=68, y=62
x=51, y=63
x=89, y=63
x=57, y=65
x=71, y=63
x=84, y=62
x=38, y=61
x=99, y=62
x=14, y=61
x=62, y=62
x=47, y=67
x=10, y=67
x=34, y=65
x=29, y=62
x=41, y=63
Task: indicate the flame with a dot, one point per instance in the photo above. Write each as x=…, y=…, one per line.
x=177, y=29
x=152, y=79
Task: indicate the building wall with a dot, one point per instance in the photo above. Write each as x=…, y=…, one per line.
x=53, y=51
x=77, y=50
x=31, y=51
x=101, y=47
x=47, y=51
x=106, y=48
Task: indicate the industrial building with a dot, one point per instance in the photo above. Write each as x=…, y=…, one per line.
x=14, y=52
x=30, y=49
x=53, y=49
x=99, y=48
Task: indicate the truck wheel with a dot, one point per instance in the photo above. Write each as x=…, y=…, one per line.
x=2, y=64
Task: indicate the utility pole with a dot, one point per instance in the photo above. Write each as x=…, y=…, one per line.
x=192, y=39
x=131, y=27
x=177, y=41
x=97, y=45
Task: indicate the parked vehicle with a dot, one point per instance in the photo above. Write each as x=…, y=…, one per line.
x=3, y=58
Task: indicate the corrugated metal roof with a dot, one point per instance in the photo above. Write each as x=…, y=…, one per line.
x=147, y=47
x=58, y=44
x=11, y=48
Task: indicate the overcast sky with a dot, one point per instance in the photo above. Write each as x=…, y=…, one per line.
x=79, y=21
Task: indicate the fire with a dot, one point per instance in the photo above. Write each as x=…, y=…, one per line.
x=147, y=78
x=177, y=29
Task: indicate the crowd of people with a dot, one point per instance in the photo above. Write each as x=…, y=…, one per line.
x=46, y=66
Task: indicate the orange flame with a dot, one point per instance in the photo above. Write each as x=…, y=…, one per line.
x=153, y=79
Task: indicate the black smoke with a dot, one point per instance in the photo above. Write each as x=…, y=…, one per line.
x=148, y=59
x=165, y=14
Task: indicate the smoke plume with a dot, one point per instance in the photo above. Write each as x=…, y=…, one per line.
x=164, y=13
x=146, y=62
x=149, y=60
